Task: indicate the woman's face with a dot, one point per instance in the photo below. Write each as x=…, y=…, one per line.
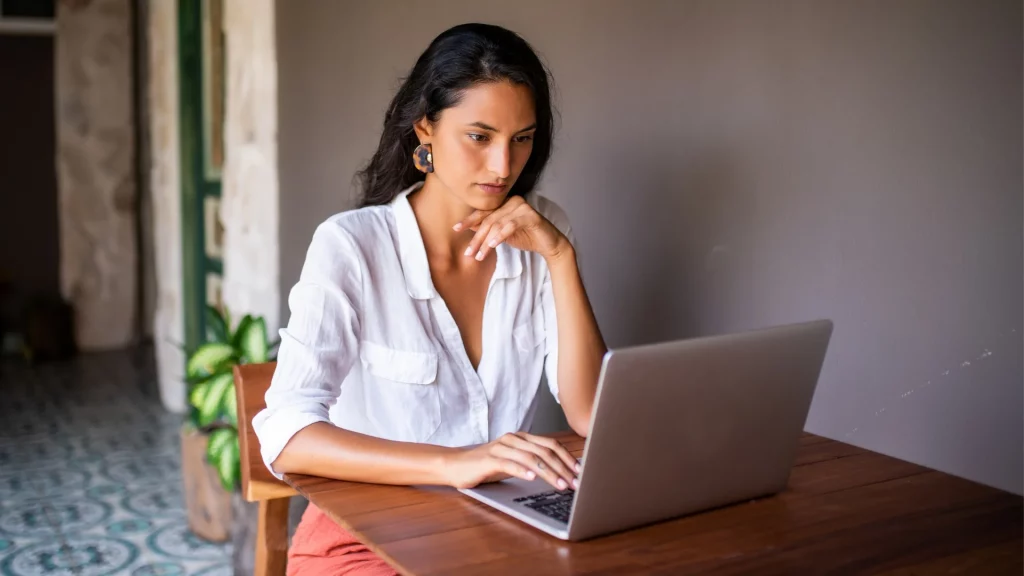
x=480, y=146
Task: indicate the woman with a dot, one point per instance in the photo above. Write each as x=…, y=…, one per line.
x=422, y=322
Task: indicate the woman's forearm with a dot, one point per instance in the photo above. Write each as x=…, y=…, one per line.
x=580, y=345
x=325, y=450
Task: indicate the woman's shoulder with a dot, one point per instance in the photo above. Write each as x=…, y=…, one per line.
x=353, y=233
x=364, y=224
x=549, y=209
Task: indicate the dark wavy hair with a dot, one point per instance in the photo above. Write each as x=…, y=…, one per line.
x=459, y=58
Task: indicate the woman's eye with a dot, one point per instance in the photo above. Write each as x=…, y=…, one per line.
x=478, y=137
x=525, y=138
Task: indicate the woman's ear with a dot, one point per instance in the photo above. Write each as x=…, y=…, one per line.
x=423, y=129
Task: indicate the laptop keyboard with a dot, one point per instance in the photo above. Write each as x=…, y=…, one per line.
x=554, y=504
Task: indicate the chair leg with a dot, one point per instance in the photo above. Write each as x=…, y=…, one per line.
x=272, y=537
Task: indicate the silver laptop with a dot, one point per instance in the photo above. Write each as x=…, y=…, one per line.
x=681, y=427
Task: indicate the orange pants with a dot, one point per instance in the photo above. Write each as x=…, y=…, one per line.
x=320, y=546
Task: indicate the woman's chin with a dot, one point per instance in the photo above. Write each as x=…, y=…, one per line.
x=480, y=200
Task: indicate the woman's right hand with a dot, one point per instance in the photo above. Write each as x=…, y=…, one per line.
x=518, y=455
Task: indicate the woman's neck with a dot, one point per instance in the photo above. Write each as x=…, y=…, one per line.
x=437, y=210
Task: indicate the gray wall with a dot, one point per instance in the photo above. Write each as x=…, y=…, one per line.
x=731, y=165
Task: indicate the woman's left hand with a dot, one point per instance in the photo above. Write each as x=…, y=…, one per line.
x=516, y=223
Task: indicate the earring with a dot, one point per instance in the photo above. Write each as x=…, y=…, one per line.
x=423, y=158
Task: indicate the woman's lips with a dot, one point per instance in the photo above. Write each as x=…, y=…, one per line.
x=493, y=188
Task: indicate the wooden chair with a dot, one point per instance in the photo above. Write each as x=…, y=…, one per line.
x=258, y=485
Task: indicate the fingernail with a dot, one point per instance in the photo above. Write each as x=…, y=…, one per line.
x=468, y=251
x=492, y=243
x=578, y=467
x=457, y=227
x=576, y=483
x=561, y=484
x=480, y=255
x=530, y=474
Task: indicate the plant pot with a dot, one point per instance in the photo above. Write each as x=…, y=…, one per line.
x=207, y=503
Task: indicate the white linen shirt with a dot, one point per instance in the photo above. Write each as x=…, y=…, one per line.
x=371, y=346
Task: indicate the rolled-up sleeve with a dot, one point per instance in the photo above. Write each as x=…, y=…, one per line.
x=319, y=344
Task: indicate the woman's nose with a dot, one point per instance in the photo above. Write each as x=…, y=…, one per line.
x=499, y=160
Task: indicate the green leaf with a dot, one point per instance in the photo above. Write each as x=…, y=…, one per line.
x=199, y=393
x=216, y=326
x=228, y=464
x=192, y=421
x=219, y=440
x=209, y=359
x=227, y=319
x=251, y=340
x=230, y=406
x=214, y=399
x=243, y=326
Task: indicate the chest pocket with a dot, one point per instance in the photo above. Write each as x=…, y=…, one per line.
x=401, y=392
x=529, y=335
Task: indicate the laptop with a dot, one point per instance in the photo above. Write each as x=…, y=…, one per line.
x=680, y=427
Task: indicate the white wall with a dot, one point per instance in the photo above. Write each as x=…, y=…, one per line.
x=730, y=165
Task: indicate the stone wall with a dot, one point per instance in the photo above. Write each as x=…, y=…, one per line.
x=96, y=170
x=249, y=209
x=165, y=195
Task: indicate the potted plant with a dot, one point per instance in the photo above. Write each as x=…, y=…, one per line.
x=209, y=438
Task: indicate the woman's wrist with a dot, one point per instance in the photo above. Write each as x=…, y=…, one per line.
x=563, y=252
x=444, y=465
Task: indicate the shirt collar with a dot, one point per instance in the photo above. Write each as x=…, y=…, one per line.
x=414, y=254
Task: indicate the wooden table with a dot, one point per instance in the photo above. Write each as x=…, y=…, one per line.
x=847, y=510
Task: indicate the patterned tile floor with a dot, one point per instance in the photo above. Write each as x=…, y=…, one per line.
x=90, y=482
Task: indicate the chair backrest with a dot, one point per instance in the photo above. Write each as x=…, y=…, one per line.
x=251, y=383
